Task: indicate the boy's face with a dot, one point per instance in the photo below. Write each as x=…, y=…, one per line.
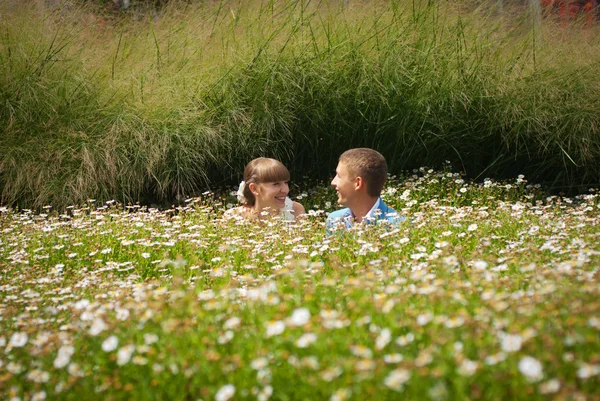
x=344, y=183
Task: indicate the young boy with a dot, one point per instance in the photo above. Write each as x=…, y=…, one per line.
x=359, y=179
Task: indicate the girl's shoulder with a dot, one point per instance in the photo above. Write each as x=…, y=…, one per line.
x=240, y=211
x=298, y=209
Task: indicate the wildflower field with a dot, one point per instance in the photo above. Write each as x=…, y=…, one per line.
x=488, y=291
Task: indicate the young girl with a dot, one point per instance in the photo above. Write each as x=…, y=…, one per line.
x=264, y=192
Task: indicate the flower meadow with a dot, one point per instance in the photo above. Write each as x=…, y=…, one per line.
x=488, y=291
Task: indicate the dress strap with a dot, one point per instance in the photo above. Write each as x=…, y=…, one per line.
x=288, y=210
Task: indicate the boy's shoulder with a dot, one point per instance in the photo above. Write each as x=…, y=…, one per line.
x=339, y=219
x=390, y=214
x=339, y=214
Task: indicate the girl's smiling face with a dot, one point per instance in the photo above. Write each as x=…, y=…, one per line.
x=271, y=195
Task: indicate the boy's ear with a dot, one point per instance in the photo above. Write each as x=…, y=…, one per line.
x=359, y=183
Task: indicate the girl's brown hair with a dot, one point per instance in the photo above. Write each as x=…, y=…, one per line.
x=260, y=170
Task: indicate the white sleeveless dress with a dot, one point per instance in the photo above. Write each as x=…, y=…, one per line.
x=288, y=210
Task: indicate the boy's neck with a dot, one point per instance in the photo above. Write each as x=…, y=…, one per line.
x=362, y=208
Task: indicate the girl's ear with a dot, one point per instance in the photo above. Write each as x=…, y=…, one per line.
x=253, y=188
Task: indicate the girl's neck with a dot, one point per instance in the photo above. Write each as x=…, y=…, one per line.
x=264, y=212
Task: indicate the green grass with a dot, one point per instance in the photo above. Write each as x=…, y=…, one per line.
x=161, y=108
x=484, y=284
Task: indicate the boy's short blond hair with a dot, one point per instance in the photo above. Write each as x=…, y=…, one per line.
x=368, y=164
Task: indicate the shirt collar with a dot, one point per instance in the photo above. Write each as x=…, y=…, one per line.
x=375, y=210
x=373, y=213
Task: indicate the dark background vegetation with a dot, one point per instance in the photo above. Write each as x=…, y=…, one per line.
x=90, y=110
